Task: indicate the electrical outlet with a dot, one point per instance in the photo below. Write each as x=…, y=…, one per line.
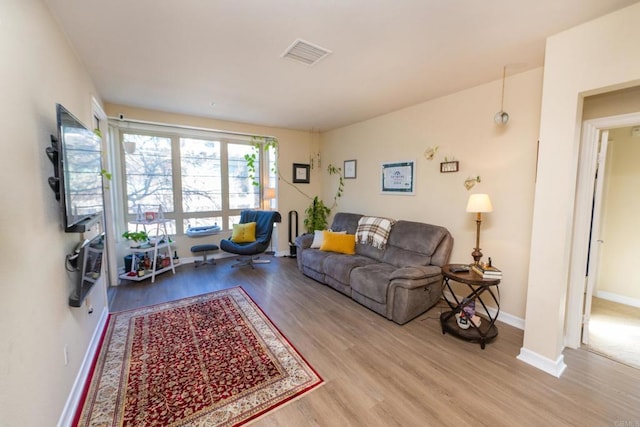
x=87, y=303
x=66, y=355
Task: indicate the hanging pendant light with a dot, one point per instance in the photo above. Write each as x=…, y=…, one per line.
x=501, y=117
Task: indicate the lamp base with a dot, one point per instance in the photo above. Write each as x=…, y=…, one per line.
x=477, y=256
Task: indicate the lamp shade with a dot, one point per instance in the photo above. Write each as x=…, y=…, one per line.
x=269, y=193
x=479, y=203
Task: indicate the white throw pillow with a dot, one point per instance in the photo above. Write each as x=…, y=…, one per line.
x=318, y=237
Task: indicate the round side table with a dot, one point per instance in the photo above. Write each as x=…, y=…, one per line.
x=479, y=290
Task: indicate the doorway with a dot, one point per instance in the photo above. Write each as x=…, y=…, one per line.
x=612, y=301
x=602, y=304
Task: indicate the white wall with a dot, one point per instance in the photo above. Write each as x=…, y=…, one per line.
x=462, y=126
x=595, y=57
x=621, y=204
x=38, y=70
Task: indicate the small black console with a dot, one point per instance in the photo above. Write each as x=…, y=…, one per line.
x=87, y=260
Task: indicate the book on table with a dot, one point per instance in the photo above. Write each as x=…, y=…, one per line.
x=488, y=268
x=487, y=272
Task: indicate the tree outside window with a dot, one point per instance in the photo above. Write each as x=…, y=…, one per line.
x=198, y=181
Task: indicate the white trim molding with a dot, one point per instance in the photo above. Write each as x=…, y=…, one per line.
x=552, y=367
x=73, y=401
x=620, y=299
x=582, y=220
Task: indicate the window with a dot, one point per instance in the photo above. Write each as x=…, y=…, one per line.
x=242, y=193
x=148, y=172
x=199, y=179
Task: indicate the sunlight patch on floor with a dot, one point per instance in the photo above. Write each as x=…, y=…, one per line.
x=614, y=335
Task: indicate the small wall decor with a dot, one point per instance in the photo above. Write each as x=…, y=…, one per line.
x=314, y=160
x=430, y=152
x=470, y=182
x=301, y=173
x=398, y=178
x=350, y=169
x=451, y=166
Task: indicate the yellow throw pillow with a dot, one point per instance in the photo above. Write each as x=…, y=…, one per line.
x=244, y=233
x=338, y=242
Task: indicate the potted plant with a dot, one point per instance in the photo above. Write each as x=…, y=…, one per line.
x=136, y=238
x=316, y=216
x=317, y=213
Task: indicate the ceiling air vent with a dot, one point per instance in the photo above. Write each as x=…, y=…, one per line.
x=305, y=52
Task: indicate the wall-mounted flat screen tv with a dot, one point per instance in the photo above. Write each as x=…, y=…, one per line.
x=76, y=153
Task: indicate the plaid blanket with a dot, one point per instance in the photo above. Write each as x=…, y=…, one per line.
x=374, y=231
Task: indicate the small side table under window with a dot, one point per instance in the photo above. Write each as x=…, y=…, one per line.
x=480, y=290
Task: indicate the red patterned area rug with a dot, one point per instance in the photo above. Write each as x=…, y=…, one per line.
x=210, y=360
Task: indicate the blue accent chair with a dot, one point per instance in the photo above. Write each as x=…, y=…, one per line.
x=250, y=252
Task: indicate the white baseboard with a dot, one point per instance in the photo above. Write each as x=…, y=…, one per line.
x=507, y=318
x=552, y=367
x=510, y=319
x=620, y=299
x=73, y=401
x=283, y=253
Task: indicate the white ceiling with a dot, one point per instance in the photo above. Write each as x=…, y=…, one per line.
x=182, y=55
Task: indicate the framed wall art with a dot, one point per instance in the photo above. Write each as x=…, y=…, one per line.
x=350, y=169
x=301, y=173
x=447, y=167
x=398, y=178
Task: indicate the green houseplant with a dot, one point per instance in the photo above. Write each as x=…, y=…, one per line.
x=317, y=213
x=316, y=216
x=136, y=238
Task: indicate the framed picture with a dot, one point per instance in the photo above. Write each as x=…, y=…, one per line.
x=301, y=173
x=446, y=167
x=350, y=169
x=398, y=178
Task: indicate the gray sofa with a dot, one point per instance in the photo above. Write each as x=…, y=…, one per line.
x=399, y=282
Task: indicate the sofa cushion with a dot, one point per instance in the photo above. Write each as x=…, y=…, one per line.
x=338, y=242
x=372, y=281
x=339, y=267
x=344, y=221
x=313, y=259
x=369, y=251
x=413, y=243
x=416, y=273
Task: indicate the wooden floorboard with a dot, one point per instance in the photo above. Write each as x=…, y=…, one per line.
x=378, y=373
x=614, y=331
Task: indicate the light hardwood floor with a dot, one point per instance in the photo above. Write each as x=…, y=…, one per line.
x=378, y=373
x=614, y=331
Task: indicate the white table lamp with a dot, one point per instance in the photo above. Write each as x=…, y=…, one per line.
x=478, y=203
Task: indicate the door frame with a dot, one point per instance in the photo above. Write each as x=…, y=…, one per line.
x=595, y=241
x=587, y=166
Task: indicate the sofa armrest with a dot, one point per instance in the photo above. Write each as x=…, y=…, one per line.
x=304, y=241
x=416, y=273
